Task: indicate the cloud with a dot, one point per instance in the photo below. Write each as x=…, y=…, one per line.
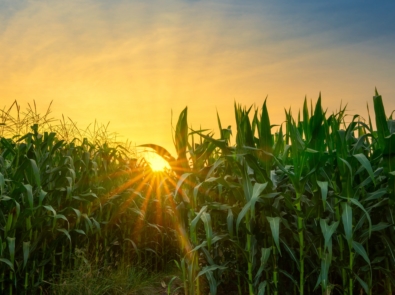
x=126, y=61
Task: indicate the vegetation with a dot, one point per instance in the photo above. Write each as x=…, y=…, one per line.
x=62, y=197
x=306, y=207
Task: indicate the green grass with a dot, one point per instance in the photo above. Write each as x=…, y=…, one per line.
x=125, y=279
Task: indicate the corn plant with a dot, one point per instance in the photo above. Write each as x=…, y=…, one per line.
x=58, y=196
x=306, y=209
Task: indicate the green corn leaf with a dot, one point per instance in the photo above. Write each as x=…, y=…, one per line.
x=270, y=195
x=29, y=194
x=136, y=249
x=93, y=195
x=6, y=261
x=361, y=251
x=279, y=143
x=2, y=183
x=96, y=223
x=26, y=252
x=265, y=254
x=377, y=194
x=210, y=268
x=377, y=227
x=262, y=288
x=265, y=136
x=50, y=208
x=253, y=163
x=363, y=284
x=220, y=126
x=347, y=221
x=36, y=172
x=61, y=216
x=356, y=202
x=248, y=136
x=229, y=221
x=80, y=231
x=360, y=142
x=181, y=134
x=214, y=167
x=214, y=240
x=56, y=146
x=65, y=232
x=212, y=282
x=41, y=197
x=366, y=164
x=216, y=143
x=78, y=213
x=275, y=228
x=241, y=215
x=291, y=253
x=179, y=184
x=17, y=208
x=183, y=267
x=193, y=224
x=311, y=151
x=210, y=259
x=88, y=221
x=389, y=247
x=325, y=264
x=306, y=119
x=327, y=231
x=206, y=218
x=256, y=191
x=378, y=259
x=288, y=275
x=247, y=185
x=381, y=120
x=151, y=225
x=160, y=151
x=149, y=250
x=348, y=166
x=11, y=248
x=169, y=285
x=196, y=190
x=324, y=191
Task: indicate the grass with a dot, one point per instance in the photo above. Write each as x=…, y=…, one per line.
x=86, y=278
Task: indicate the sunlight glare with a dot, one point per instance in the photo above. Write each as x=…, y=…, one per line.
x=156, y=162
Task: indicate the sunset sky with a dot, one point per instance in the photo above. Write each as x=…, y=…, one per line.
x=132, y=63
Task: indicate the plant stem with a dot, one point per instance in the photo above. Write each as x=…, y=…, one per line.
x=275, y=269
x=301, y=243
x=350, y=285
x=250, y=278
x=387, y=279
x=341, y=243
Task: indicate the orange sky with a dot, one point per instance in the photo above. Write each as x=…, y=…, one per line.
x=133, y=62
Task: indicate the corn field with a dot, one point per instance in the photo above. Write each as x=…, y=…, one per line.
x=305, y=207
x=62, y=197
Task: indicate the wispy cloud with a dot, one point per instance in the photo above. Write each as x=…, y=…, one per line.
x=128, y=61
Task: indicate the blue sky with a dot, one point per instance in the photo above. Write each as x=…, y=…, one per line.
x=126, y=61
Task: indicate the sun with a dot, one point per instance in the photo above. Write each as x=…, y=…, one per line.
x=156, y=162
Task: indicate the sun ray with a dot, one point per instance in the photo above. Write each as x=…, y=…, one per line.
x=156, y=162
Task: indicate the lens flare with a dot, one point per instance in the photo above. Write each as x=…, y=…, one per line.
x=156, y=162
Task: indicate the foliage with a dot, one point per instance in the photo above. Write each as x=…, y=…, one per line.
x=307, y=209
x=58, y=195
